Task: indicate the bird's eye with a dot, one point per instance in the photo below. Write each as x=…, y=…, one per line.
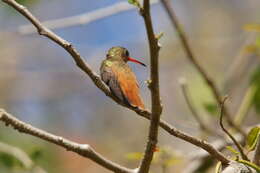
x=127, y=53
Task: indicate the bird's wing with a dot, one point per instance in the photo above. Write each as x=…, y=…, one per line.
x=128, y=85
x=109, y=77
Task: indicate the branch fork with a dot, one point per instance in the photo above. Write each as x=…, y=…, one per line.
x=84, y=149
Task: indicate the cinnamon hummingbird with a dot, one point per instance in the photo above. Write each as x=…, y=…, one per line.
x=121, y=80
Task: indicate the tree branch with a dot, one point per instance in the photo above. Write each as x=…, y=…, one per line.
x=42, y=30
x=193, y=140
x=197, y=158
x=239, y=147
x=154, y=87
x=98, y=82
x=81, y=149
x=204, y=74
x=80, y=62
x=82, y=19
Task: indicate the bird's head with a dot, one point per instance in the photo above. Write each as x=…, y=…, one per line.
x=121, y=54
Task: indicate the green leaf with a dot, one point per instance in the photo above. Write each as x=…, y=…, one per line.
x=252, y=138
x=131, y=1
x=135, y=3
x=232, y=150
x=134, y=156
x=211, y=108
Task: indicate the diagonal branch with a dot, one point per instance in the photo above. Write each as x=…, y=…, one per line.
x=80, y=62
x=154, y=87
x=82, y=149
x=98, y=82
x=239, y=147
x=190, y=55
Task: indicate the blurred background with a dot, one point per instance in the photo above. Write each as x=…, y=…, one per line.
x=41, y=85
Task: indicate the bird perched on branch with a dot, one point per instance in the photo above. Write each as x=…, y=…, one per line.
x=122, y=82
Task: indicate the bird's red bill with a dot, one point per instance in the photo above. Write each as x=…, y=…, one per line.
x=136, y=61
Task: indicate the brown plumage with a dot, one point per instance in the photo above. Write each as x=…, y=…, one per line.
x=119, y=77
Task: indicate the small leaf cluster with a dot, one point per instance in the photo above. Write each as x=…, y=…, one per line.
x=135, y=3
x=251, y=142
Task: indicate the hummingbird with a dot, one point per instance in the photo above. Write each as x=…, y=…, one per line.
x=117, y=74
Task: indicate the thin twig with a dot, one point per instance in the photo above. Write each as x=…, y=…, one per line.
x=190, y=55
x=82, y=19
x=239, y=147
x=99, y=83
x=82, y=149
x=80, y=62
x=193, y=110
x=154, y=87
x=199, y=157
